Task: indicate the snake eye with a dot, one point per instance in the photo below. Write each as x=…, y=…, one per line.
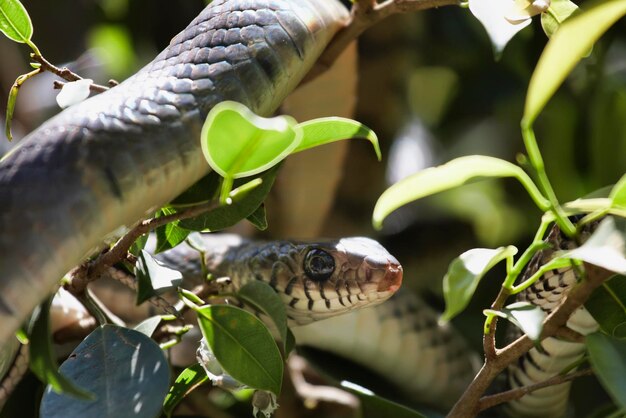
x=318, y=264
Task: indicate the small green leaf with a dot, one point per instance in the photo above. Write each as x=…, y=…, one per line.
x=607, y=305
x=228, y=215
x=322, y=131
x=138, y=245
x=374, y=406
x=556, y=14
x=237, y=143
x=608, y=359
x=618, y=193
x=243, y=346
x=153, y=278
x=606, y=247
x=568, y=46
x=169, y=235
x=42, y=357
x=261, y=296
x=185, y=383
x=464, y=274
x=258, y=218
x=15, y=22
x=527, y=317
x=149, y=325
x=447, y=176
x=125, y=369
x=202, y=191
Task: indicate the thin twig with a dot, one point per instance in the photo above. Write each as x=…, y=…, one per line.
x=490, y=401
x=365, y=14
x=65, y=73
x=468, y=405
x=91, y=271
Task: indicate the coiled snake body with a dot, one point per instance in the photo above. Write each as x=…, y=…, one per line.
x=107, y=162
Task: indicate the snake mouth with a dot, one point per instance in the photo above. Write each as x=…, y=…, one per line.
x=392, y=280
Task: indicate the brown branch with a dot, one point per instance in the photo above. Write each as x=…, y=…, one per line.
x=90, y=271
x=490, y=401
x=469, y=403
x=65, y=73
x=364, y=14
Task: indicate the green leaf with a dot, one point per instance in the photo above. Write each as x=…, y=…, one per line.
x=169, y=235
x=568, y=46
x=202, y=191
x=556, y=14
x=322, y=131
x=42, y=356
x=138, y=245
x=243, y=346
x=125, y=369
x=373, y=406
x=261, y=296
x=149, y=325
x=185, y=383
x=527, y=317
x=237, y=143
x=153, y=278
x=608, y=359
x=455, y=173
x=228, y=215
x=607, y=305
x=606, y=247
x=618, y=193
x=464, y=274
x=15, y=22
x=258, y=218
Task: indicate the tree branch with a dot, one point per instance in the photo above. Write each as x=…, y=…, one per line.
x=90, y=271
x=469, y=404
x=490, y=401
x=65, y=73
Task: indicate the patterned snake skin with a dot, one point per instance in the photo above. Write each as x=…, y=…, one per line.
x=108, y=161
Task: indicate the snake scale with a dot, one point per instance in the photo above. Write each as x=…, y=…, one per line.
x=113, y=159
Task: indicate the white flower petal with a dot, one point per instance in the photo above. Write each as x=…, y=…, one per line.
x=74, y=92
x=493, y=16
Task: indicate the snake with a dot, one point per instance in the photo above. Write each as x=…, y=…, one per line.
x=109, y=161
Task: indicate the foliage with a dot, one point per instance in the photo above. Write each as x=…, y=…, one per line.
x=246, y=151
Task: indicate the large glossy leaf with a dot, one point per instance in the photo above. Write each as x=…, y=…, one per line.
x=444, y=177
x=42, y=357
x=606, y=247
x=169, y=235
x=237, y=143
x=322, y=131
x=618, y=193
x=14, y=21
x=228, y=215
x=464, y=274
x=527, y=317
x=153, y=278
x=187, y=381
x=568, y=45
x=265, y=299
x=607, y=305
x=243, y=346
x=608, y=358
x=126, y=370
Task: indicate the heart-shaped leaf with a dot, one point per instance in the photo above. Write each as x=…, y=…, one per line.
x=238, y=143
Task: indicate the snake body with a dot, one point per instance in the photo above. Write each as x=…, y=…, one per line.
x=342, y=311
x=108, y=161
x=553, y=355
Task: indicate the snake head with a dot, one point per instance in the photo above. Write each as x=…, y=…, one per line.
x=334, y=277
